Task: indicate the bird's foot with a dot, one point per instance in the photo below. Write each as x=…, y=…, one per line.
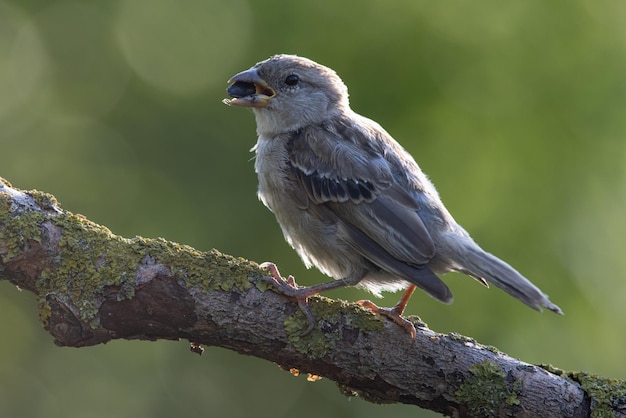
x=391, y=313
x=288, y=287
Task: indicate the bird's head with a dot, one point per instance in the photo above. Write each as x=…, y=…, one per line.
x=288, y=92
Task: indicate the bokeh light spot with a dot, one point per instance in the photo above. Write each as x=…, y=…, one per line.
x=183, y=47
x=22, y=61
x=89, y=75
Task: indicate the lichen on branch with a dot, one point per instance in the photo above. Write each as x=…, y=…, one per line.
x=93, y=286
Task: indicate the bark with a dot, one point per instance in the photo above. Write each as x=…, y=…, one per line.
x=93, y=286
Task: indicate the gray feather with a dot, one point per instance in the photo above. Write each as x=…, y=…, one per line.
x=505, y=277
x=349, y=199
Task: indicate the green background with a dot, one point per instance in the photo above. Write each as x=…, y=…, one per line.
x=516, y=110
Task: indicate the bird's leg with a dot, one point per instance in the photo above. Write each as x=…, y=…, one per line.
x=288, y=287
x=395, y=313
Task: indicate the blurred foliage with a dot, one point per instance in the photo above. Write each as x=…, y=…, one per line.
x=517, y=111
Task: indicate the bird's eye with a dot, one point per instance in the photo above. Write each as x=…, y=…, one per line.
x=292, y=80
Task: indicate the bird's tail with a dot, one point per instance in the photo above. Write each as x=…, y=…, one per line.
x=490, y=268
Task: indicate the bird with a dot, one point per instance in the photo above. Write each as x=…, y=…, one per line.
x=350, y=199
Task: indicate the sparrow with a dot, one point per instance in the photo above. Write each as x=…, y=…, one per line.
x=350, y=199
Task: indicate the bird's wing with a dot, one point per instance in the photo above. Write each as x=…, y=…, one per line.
x=346, y=175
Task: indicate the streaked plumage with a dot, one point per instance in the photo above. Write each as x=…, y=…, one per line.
x=349, y=199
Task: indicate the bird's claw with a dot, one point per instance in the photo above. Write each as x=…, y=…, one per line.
x=289, y=288
x=392, y=314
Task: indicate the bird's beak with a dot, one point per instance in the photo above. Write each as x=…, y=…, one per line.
x=248, y=89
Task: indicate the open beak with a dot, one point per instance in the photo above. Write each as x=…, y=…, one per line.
x=248, y=89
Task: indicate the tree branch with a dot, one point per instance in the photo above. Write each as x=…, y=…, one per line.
x=93, y=286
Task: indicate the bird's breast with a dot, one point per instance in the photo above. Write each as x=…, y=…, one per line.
x=316, y=240
x=271, y=166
